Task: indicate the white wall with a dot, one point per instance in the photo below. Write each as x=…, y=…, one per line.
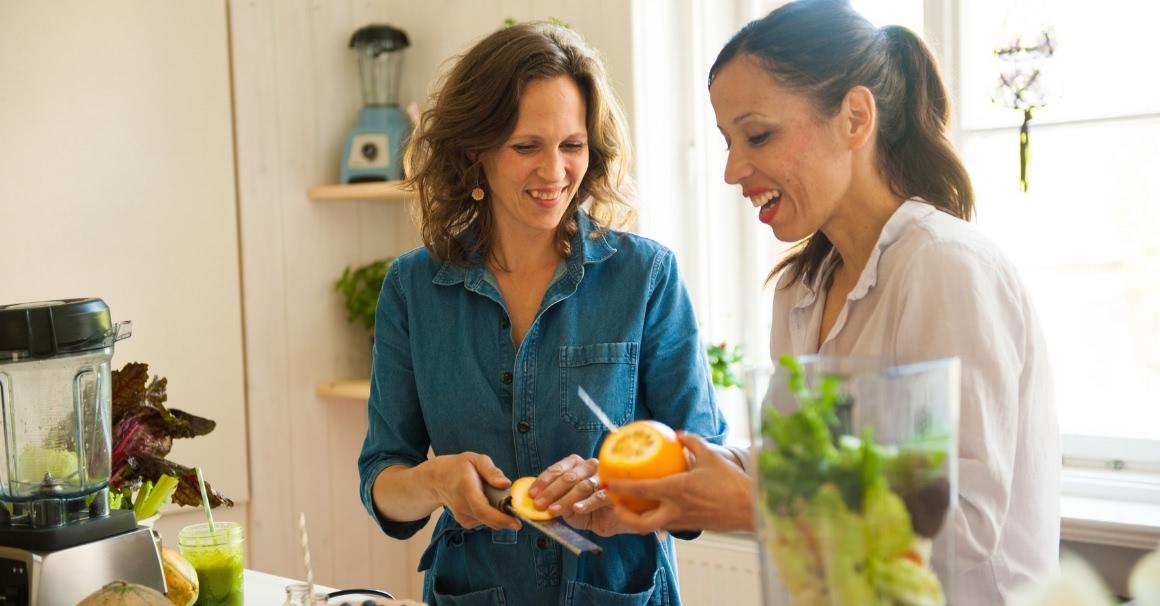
x=117, y=181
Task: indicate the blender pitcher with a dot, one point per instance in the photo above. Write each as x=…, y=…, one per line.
x=856, y=477
x=55, y=393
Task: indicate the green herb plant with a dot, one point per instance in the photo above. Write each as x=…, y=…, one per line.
x=724, y=362
x=359, y=287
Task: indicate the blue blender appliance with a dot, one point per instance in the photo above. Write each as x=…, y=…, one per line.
x=374, y=148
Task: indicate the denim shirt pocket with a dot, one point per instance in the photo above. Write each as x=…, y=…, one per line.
x=607, y=371
x=577, y=593
x=444, y=562
x=493, y=596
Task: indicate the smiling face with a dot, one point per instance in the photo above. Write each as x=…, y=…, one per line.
x=533, y=176
x=794, y=166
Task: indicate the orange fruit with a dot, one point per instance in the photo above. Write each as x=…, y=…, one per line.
x=641, y=450
x=522, y=502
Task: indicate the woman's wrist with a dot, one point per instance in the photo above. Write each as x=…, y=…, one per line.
x=743, y=495
x=424, y=485
x=732, y=454
x=404, y=494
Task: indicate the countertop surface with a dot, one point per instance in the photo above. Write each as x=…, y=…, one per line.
x=269, y=590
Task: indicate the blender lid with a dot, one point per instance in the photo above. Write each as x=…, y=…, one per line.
x=47, y=328
x=384, y=37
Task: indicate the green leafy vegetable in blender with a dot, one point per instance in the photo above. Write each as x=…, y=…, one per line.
x=851, y=520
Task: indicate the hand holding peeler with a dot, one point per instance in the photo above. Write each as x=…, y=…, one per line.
x=501, y=499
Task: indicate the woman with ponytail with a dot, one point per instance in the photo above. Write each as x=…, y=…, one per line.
x=837, y=134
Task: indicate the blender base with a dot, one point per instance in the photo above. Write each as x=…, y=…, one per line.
x=35, y=578
x=63, y=537
x=374, y=149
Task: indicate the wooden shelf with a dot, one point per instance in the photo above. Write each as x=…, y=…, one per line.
x=345, y=390
x=378, y=191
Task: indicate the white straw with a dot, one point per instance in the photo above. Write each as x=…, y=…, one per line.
x=205, y=501
x=306, y=553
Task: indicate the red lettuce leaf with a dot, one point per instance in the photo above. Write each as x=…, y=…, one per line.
x=143, y=434
x=151, y=468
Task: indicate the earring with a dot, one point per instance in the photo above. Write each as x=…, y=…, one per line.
x=477, y=194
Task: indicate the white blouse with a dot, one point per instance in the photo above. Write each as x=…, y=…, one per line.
x=935, y=287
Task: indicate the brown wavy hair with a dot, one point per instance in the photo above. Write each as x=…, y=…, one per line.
x=822, y=49
x=475, y=110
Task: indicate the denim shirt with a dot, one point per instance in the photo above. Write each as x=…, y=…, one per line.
x=618, y=321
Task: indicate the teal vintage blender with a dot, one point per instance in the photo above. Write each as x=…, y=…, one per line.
x=59, y=541
x=374, y=148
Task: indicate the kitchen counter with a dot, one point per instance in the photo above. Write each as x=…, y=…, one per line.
x=269, y=590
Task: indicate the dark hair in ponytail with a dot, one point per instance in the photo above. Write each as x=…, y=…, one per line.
x=822, y=49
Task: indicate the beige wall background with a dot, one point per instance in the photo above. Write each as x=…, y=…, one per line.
x=117, y=181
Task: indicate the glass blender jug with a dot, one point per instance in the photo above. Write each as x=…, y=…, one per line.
x=55, y=393
x=374, y=148
x=856, y=477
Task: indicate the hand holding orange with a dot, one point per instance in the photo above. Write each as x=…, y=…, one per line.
x=641, y=450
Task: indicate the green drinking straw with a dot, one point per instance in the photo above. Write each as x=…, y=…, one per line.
x=205, y=501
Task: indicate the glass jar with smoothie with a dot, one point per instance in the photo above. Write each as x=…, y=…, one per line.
x=219, y=559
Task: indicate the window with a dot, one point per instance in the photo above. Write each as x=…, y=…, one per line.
x=1084, y=233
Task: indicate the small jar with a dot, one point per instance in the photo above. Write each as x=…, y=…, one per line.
x=297, y=594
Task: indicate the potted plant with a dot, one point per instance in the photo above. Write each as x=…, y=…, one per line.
x=724, y=369
x=359, y=287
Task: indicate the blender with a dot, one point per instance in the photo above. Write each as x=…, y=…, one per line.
x=374, y=148
x=59, y=541
x=856, y=479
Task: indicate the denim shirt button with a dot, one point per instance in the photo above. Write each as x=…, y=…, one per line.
x=506, y=378
x=524, y=426
x=542, y=542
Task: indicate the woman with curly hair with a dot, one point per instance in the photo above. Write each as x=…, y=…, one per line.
x=522, y=293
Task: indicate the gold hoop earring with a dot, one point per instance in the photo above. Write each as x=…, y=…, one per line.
x=477, y=194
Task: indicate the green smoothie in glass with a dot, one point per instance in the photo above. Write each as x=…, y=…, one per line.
x=218, y=558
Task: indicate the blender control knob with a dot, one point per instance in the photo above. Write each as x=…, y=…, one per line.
x=370, y=151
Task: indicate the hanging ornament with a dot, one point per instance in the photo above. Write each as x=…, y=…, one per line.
x=1026, y=43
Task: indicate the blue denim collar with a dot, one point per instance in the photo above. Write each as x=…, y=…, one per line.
x=586, y=248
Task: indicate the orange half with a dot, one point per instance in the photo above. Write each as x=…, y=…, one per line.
x=641, y=450
x=523, y=504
